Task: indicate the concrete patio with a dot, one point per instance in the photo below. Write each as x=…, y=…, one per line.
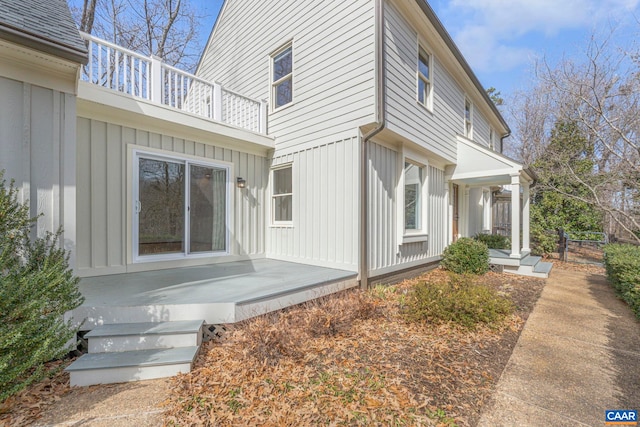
x=221, y=293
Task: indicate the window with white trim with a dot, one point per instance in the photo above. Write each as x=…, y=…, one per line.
x=282, y=195
x=492, y=139
x=180, y=207
x=468, y=118
x=425, y=85
x=282, y=77
x=413, y=197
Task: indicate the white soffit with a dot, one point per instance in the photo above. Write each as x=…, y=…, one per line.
x=477, y=164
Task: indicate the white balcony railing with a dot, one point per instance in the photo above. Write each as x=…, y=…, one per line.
x=148, y=78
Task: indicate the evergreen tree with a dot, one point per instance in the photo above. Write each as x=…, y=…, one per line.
x=37, y=287
x=560, y=199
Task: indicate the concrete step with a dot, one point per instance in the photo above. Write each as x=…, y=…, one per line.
x=117, y=367
x=530, y=260
x=543, y=268
x=144, y=336
x=540, y=270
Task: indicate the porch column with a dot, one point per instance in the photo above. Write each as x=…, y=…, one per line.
x=466, y=210
x=515, y=216
x=486, y=214
x=525, y=217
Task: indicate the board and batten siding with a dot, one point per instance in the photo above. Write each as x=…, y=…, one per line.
x=104, y=242
x=434, y=130
x=37, y=150
x=386, y=253
x=325, y=215
x=333, y=64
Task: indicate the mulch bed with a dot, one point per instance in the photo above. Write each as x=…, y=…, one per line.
x=351, y=359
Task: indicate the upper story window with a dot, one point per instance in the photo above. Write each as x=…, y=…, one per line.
x=282, y=77
x=468, y=118
x=424, y=78
x=492, y=139
x=282, y=195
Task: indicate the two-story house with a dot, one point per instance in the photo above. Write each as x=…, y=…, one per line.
x=387, y=142
x=319, y=146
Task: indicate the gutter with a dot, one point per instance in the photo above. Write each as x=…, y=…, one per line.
x=69, y=53
x=380, y=125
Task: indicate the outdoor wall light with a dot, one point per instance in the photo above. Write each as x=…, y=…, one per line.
x=240, y=182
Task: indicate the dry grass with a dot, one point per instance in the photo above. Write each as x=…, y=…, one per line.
x=348, y=359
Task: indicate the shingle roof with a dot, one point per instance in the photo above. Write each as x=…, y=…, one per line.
x=45, y=25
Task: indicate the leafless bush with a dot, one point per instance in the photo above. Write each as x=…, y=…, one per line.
x=273, y=336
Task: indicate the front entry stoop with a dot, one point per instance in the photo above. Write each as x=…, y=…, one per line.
x=137, y=351
x=525, y=265
x=531, y=266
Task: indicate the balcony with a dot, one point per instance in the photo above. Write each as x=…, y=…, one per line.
x=148, y=78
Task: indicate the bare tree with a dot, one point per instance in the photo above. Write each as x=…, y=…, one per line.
x=168, y=29
x=600, y=93
x=88, y=16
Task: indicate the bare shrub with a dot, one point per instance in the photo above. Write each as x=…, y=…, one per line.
x=283, y=334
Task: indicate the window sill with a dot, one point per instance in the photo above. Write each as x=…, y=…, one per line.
x=281, y=225
x=414, y=238
x=425, y=107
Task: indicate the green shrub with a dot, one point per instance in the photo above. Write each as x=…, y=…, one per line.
x=458, y=300
x=36, y=288
x=466, y=256
x=494, y=241
x=543, y=242
x=623, y=271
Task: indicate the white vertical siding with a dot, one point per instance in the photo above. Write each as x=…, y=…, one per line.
x=386, y=250
x=435, y=131
x=36, y=127
x=103, y=240
x=333, y=63
x=439, y=227
x=325, y=207
x=383, y=180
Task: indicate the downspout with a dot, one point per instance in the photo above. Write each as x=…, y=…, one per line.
x=505, y=136
x=380, y=125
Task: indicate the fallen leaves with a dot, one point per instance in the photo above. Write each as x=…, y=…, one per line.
x=348, y=359
x=27, y=406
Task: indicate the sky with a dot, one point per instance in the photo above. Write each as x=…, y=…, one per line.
x=501, y=39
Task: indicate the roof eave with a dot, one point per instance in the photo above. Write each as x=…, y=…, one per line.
x=430, y=13
x=44, y=45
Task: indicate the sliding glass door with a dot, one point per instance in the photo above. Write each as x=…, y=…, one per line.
x=208, y=228
x=180, y=207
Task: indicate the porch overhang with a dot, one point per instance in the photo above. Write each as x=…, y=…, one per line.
x=480, y=166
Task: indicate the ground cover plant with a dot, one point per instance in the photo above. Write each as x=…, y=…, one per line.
x=622, y=263
x=459, y=299
x=353, y=359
